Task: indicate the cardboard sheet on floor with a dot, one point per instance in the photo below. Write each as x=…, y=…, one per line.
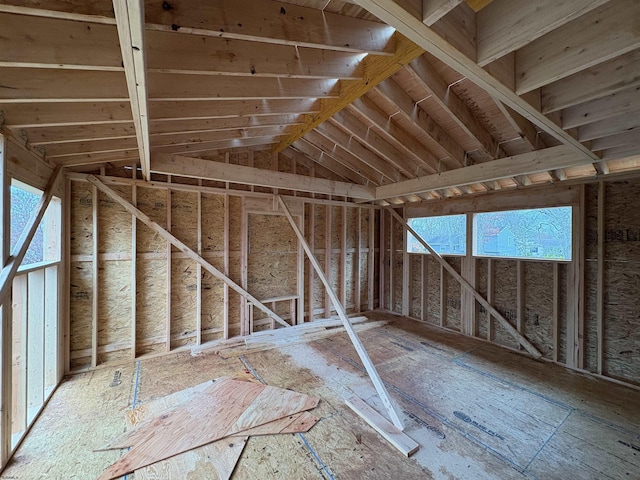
x=221, y=409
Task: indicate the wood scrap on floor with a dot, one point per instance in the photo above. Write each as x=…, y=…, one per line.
x=223, y=409
x=282, y=337
x=384, y=427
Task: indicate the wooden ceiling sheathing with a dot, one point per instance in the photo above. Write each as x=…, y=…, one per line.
x=501, y=78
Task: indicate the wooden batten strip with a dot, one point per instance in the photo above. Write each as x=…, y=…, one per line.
x=353, y=336
x=466, y=285
x=184, y=248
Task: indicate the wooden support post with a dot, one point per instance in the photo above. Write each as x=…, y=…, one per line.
x=355, y=340
x=381, y=276
x=424, y=292
x=169, y=276
x=6, y=334
x=134, y=267
x=183, y=248
x=66, y=260
x=467, y=301
x=95, y=285
x=35, y=344
x=443, y=296
x=600, y=281
x=299, y=303
x=356, y=262
x=520, y=296
x=343, y=256
x=199, y=271
x=555, y=314
x=225, y=291
x=503, y=321
x=246, y=325
x=392, y=264
x=327, y=257
x=580, y=275
x=490, y=298
x=312, y=242
x=371, y=258
x=406, y=272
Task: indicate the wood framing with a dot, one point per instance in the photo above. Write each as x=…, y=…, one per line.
x=195, y=167
x=467, y=286
x=182, y=247
x=353, y=336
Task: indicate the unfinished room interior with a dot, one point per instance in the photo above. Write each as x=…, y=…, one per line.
x=339, y=239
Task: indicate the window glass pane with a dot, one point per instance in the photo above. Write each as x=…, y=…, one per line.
x=45, y=245
x=24, y=202
x=447, y=235
x=543, y=233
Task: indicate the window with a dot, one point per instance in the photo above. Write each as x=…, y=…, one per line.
x=45, y=245
x=447, y=235
x=542, y=233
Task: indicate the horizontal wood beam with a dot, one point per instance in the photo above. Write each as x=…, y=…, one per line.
x=170, y=86
x=182, y=247
x=596, y=82
x=222, y=108
x=618, y=103
x=506, y=25
x=467, y=286
x=209, y=170
x=200, y=147
x=270, y=22
x=600, y=35
x=208, y=55
x=353, y=336
x=376, y=69
x=36, y=114
x=533, y=162
x=178, y=127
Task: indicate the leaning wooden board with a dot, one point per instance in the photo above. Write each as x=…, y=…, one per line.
x=384, y=427
x=225, y=408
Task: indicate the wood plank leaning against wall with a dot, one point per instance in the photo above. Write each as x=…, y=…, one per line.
x=584, y=314
x=127, y=291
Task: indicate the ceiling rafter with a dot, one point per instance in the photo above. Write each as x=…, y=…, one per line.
x=413, y=28
x=395, y=95
x=130, y=22
x=376, y=69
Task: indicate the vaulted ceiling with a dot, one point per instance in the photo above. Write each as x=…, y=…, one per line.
x=406, y=100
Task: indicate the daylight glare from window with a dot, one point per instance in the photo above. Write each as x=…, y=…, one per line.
x=23, y=203
x=446, y=234
x=543, y=233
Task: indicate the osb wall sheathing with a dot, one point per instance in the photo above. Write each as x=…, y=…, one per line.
x=161, y=285
x=621, y=317
x=620, y=356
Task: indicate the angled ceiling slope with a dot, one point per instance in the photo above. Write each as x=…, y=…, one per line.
x=413, y=100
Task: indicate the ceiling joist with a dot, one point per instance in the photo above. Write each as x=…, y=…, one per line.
x=208, y=170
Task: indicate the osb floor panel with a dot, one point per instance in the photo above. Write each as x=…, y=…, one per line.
x=477, y=411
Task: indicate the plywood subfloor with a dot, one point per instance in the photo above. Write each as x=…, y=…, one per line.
x=477, y=411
